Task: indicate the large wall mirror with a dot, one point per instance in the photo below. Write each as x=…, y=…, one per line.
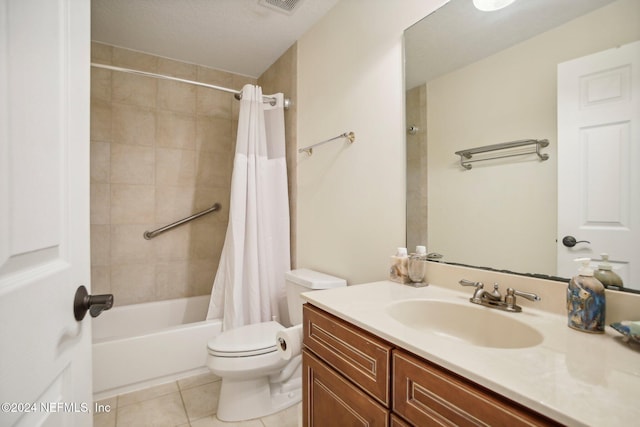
x=475, y=79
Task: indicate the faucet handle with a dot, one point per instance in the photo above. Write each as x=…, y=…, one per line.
x=465, y=282
x=510, y=299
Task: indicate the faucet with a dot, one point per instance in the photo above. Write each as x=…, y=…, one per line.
x=493, y=299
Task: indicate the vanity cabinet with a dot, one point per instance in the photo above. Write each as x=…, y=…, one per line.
x=352, y=378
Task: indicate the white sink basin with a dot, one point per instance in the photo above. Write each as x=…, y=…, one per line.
x=481, y=326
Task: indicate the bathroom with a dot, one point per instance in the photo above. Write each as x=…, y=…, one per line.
x=349, y=75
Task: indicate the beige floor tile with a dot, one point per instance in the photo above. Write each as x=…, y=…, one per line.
x=287, y=418
x=147, y=394
x=201, y=401
x=162, y=411
x=197, y=380
x=212, y=421
x=105, y=419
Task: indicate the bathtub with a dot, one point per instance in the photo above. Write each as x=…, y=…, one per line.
x=142, y=345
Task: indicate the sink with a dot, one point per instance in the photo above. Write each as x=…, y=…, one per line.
x=476, y=325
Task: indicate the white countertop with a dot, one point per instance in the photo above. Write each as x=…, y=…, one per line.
x=573, y=377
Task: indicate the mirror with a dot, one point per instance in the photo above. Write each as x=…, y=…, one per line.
x=475, y=79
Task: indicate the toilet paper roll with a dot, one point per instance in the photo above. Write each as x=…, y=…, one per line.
x=289, y=342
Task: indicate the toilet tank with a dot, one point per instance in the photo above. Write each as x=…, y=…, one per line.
x=305, y=280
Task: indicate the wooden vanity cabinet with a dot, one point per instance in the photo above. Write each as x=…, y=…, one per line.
x=353, y=378
x=425, y=395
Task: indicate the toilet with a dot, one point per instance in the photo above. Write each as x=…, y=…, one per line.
x=256, y=380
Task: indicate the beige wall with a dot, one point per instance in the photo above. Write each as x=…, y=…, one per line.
x=351, y=198
x=508, y=96
x=160, y=151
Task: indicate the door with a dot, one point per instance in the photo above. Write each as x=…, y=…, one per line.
x=598, y=158
x=45, y=354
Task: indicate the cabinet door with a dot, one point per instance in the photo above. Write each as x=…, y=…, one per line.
x=357, y=355
x=329, y=400
x=427, y=395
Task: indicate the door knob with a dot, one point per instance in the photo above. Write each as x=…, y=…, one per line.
x=570, y=241
x=95, y=304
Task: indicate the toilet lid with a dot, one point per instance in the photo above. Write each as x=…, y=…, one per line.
x=249, y=340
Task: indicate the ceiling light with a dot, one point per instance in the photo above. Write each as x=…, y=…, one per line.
x=491, y=5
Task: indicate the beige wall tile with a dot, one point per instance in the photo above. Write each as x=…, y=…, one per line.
x=100, y=210
x=174, y=203
x=132, y=204
x=214, y=134
x=100, y=245
x=214, y=77
x=133, y=125
x=175, y=96
x=174, y=244
x=100, y=84
x=207, y=238
x=211, y=102
x=128, y=246
x=176, y=130
x=214, y=169
x=134, y=90
x=101, y=53
x=133, y=283
x=172, y=280
x=100, y=121
x=100, y=161
x=101, y=280
x=132, y=164
x=175, y=167
x=135, y=60
x=183, y=70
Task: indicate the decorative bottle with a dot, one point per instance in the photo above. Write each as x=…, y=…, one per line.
x=399, y=271
x=586, y=303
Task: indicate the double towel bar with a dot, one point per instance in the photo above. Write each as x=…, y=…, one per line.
x=151, y=234
x=465, y=155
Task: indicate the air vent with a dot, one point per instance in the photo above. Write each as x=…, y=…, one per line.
x=284, y=6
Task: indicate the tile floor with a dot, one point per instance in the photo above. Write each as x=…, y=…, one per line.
x=190, y=402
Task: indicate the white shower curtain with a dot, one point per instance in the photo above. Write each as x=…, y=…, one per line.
x=249, y=286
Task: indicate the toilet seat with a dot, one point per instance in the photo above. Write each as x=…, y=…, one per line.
x=246, y=341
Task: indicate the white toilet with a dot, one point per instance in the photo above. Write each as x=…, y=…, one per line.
x=256, y=380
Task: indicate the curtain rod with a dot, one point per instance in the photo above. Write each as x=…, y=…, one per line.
x=237, y=94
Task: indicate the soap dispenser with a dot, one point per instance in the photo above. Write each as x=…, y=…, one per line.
x=586, y=300
x=606, y=275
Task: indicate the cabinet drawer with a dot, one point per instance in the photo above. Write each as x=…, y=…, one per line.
x=329, y=400
x=427, y=395
x=356, y=354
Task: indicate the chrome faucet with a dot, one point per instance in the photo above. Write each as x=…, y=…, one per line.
x=493, y=299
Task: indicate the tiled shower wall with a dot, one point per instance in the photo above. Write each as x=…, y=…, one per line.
x=416, y=108
x=160, y=151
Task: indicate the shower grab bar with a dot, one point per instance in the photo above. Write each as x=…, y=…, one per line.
x=151, y=234
x=465, y=155
x=309, y=150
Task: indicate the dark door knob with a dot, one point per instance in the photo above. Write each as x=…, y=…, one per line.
x=95, y=304
x=570, y=241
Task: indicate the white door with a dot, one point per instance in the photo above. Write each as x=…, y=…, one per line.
x=598, y=160
x=45, y=354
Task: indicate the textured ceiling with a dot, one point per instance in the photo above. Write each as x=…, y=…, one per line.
x=239, y=36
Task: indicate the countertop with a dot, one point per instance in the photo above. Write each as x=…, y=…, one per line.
x=573, y=377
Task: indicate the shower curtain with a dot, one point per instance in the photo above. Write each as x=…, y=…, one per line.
x=249, y=286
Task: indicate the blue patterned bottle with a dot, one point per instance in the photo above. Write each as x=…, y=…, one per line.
x=586, y=303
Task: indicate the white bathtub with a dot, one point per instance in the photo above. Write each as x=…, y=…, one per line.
x=141, y=345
